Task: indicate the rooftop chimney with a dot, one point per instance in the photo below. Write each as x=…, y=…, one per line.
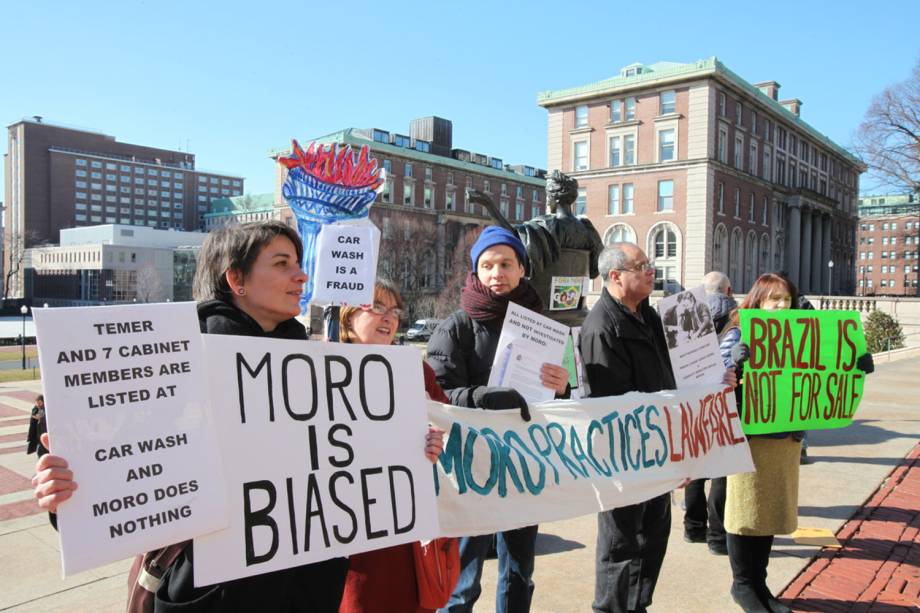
x=793, y=105
x=769, y=88
x=436, y=130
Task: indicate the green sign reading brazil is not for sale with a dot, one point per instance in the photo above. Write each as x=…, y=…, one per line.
x=801, y=374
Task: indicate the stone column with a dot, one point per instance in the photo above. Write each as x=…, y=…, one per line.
x=805, y=261
x=817, y=251
x=826, y=256
x=793, y=242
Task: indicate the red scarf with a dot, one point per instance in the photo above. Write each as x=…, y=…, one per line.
x=481, y=304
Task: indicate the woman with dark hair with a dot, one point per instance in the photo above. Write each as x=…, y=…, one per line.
x=248, y=281
x=461, y=351
x=385, y=580
x=762, y=503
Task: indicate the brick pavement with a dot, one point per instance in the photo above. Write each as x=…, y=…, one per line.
x=878, y=567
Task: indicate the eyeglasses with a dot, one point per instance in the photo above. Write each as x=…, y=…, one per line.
x=644, y=267
x=379, y=309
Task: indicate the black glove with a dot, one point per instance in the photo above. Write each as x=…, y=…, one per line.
x=865, y=363
x=499, y=398
x=740, y=354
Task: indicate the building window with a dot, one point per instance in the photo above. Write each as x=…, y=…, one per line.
x=581, y=202
x=629, y=150
x=766, y=165
x=721, y=203
x=664, y=255
x=407, y=193
x=428, y=173
x=667, y=102
x=751, y=212
x=615, y=153
x=616, y=111
x=737, y=203
x=763, y=212
x=630, y=108
x=619, y=233
x=450, y=200
x=723, y=145
x=581, y=155
x=428, y=197
x=752, y=159
x=613, y=200
x=407, y=170
x=739, y=152
x=581, y=116
x=722, y=104
x=720, y=249
x=80, y=162
x=518, y=210
x=739, y=114
x=628, y=193
x=665, y=145
x=666, y=195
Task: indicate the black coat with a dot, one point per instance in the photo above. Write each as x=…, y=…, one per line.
x=622, y=354
x=311, y=587
x=461, y=351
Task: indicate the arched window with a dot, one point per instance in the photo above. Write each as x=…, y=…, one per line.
x=720, y=249
x=664, y=253
x=764, y=253
x=619, y=233
x=736, y=257
x=750, y=260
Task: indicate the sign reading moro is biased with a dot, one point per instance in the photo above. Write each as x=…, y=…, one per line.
x=802, y=372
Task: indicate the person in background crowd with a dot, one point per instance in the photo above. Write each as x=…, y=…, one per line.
x=461, y=351
x=703, y=519
x=763, y=503
x=385, y=580
x=623, y=349
x=248, y=283
x=37, y=426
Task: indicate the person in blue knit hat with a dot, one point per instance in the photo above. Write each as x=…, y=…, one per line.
x=461, y=351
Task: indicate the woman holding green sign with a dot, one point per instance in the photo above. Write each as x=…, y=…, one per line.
x=763, y=503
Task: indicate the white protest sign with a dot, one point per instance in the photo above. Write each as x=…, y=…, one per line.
x=691, y=336
x=346, y=264
x=498, y=472
x=126, y=406
x=528, y=340
x=323, y=446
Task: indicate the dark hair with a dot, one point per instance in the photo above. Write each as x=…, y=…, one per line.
x=381, y=287
x=235, y=248
x=40, y=397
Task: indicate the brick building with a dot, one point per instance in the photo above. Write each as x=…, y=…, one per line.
x=59, y=177
x=423, y=209
x=889, y=240
x=707, y=171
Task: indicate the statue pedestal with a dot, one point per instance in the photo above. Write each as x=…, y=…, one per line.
x=571, y=263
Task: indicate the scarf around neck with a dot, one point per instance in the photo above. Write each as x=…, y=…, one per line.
x=481, y=304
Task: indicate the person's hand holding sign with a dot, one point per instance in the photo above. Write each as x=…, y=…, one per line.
x=555, y=378
x=53, y=481
x=730, y=379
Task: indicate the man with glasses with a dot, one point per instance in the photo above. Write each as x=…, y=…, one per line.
x=623, y=349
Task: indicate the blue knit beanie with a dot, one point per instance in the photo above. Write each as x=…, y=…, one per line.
x=496, y=235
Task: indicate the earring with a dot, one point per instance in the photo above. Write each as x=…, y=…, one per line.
x=241, y=291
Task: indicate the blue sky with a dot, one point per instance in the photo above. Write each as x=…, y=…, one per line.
x=232, y=80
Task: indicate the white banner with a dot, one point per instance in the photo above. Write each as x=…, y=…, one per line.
x=124, y=387
x=323, y=446
x=498, y=472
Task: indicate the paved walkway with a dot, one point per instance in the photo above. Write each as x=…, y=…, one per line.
x=878, y=567
x=877, y=570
